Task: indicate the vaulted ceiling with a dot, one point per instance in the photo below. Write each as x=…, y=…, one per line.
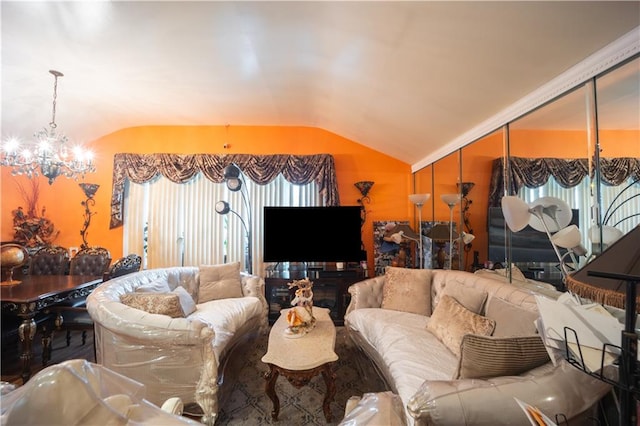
x=403, y=78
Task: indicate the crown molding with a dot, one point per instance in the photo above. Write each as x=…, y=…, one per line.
x=614, y=53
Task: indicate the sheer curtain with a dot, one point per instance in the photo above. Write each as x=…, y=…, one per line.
x=176, y=224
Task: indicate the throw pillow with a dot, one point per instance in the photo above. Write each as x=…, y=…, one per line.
x=158, y=286
x=154, y=303
x=407, y=290
x=488, y=356
x=451, y=321
x=186, y=301
x=471, y=298
x=511, y=320
x=219, y=282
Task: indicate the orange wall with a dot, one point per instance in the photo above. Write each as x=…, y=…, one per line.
x=354, y=162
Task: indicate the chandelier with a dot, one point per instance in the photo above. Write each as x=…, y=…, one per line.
x=50, y=154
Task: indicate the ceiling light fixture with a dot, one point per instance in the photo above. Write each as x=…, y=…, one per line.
x=50, y=154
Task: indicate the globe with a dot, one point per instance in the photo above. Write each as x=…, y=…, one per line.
x=11, y=256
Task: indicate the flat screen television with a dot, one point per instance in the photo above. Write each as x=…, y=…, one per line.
x=527, y=245
x=312, y=234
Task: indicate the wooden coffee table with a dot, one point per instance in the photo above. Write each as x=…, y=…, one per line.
x=301, y=359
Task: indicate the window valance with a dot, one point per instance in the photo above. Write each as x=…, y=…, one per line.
x=535, y=172
x=262, y=169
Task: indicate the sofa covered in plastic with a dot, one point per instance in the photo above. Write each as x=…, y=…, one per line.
x=173, y=355
x=468, y=361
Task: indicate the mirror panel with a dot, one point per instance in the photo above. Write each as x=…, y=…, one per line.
x=618, y=106
x=423, y=184
x=447, y=175
x=557, y=130
x=477, y=161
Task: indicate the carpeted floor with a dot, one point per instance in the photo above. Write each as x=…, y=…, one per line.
x=248, y=404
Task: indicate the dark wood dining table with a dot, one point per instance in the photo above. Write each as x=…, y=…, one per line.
x=34, y=295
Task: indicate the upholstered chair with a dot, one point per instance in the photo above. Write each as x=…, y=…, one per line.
x=49, y=260
x=90, y=261
x=125, y=265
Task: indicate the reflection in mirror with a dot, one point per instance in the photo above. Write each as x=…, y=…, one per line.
x=443, y=231
x=549, y=164
x=477, y=161
x=423, y=184
x=618, y=106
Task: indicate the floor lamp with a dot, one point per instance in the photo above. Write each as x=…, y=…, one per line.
x=419, y=200
x=451, y=200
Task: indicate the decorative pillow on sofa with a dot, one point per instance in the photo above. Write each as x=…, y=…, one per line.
x=451, y=321
x=159, y=286
x=488, y=356
x=186, y=301
x=407, y=290
x=471, y=298
x=219, y=282
x=154, y=303
x=511, y=320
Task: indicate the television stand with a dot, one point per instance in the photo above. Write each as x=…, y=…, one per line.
x=330, y=288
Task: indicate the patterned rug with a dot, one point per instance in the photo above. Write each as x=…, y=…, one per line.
x=249, y=405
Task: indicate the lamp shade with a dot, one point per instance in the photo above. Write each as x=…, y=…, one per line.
x=610, y=234
x=555, y=212
x=231, y=171
x=222, y=207
x=516, y=212
x=467, y=238
x=419, y=199
x=451, y=199
x=568, y=237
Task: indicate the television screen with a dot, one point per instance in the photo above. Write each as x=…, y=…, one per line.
x=312, y=234
x=527, y=245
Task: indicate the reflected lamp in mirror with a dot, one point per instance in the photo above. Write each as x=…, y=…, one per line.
x=569, y=238
x=419, y=200
x=451, y=200
x=439, y=234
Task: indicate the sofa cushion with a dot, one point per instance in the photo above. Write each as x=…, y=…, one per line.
x=156, y=286
x=488, y=356
x=504, y=313
x=451, y=321
x=219, y=282
x=471, y=298
x=407, y=290
x=154, y=303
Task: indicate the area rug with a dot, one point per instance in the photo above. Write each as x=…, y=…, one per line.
x=249, y=405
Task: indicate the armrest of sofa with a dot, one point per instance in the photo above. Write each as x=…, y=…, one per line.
x=366, y=294
x=557, y=390
x=253, y=285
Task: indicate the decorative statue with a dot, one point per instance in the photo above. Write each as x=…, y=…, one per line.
x=300, y=318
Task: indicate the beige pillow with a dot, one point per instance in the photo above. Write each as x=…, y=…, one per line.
x=407, y=290
x=154, y=303
x=219, y=282
x=511, y=320
x=471, y=298
x=488, y=356
x=451, y=321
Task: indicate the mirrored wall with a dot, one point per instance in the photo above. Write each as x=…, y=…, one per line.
x=582, y=148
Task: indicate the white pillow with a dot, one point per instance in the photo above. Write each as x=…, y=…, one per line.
x=158, y=286
x=186, y=301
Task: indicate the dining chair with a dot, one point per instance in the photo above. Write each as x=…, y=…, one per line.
x=125, y=265
x=90, y=261
x=49, y=260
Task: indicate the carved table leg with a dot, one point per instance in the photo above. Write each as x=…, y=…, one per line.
x=330, y=382
x=26, y=332
x=270, y=388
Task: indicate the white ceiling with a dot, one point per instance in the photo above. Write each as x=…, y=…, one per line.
x=404, y=78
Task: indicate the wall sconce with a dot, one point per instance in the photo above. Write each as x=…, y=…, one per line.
x=464, y=188
x=234, y=182
x=364, y=187
x=89, y=190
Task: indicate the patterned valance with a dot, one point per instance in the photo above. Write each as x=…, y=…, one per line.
x=535, y=172
x=262, y=169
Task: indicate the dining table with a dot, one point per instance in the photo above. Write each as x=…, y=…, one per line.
x=35, y=294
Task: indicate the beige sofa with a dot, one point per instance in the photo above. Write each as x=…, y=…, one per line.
x=451, y=366
x=175, y=355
